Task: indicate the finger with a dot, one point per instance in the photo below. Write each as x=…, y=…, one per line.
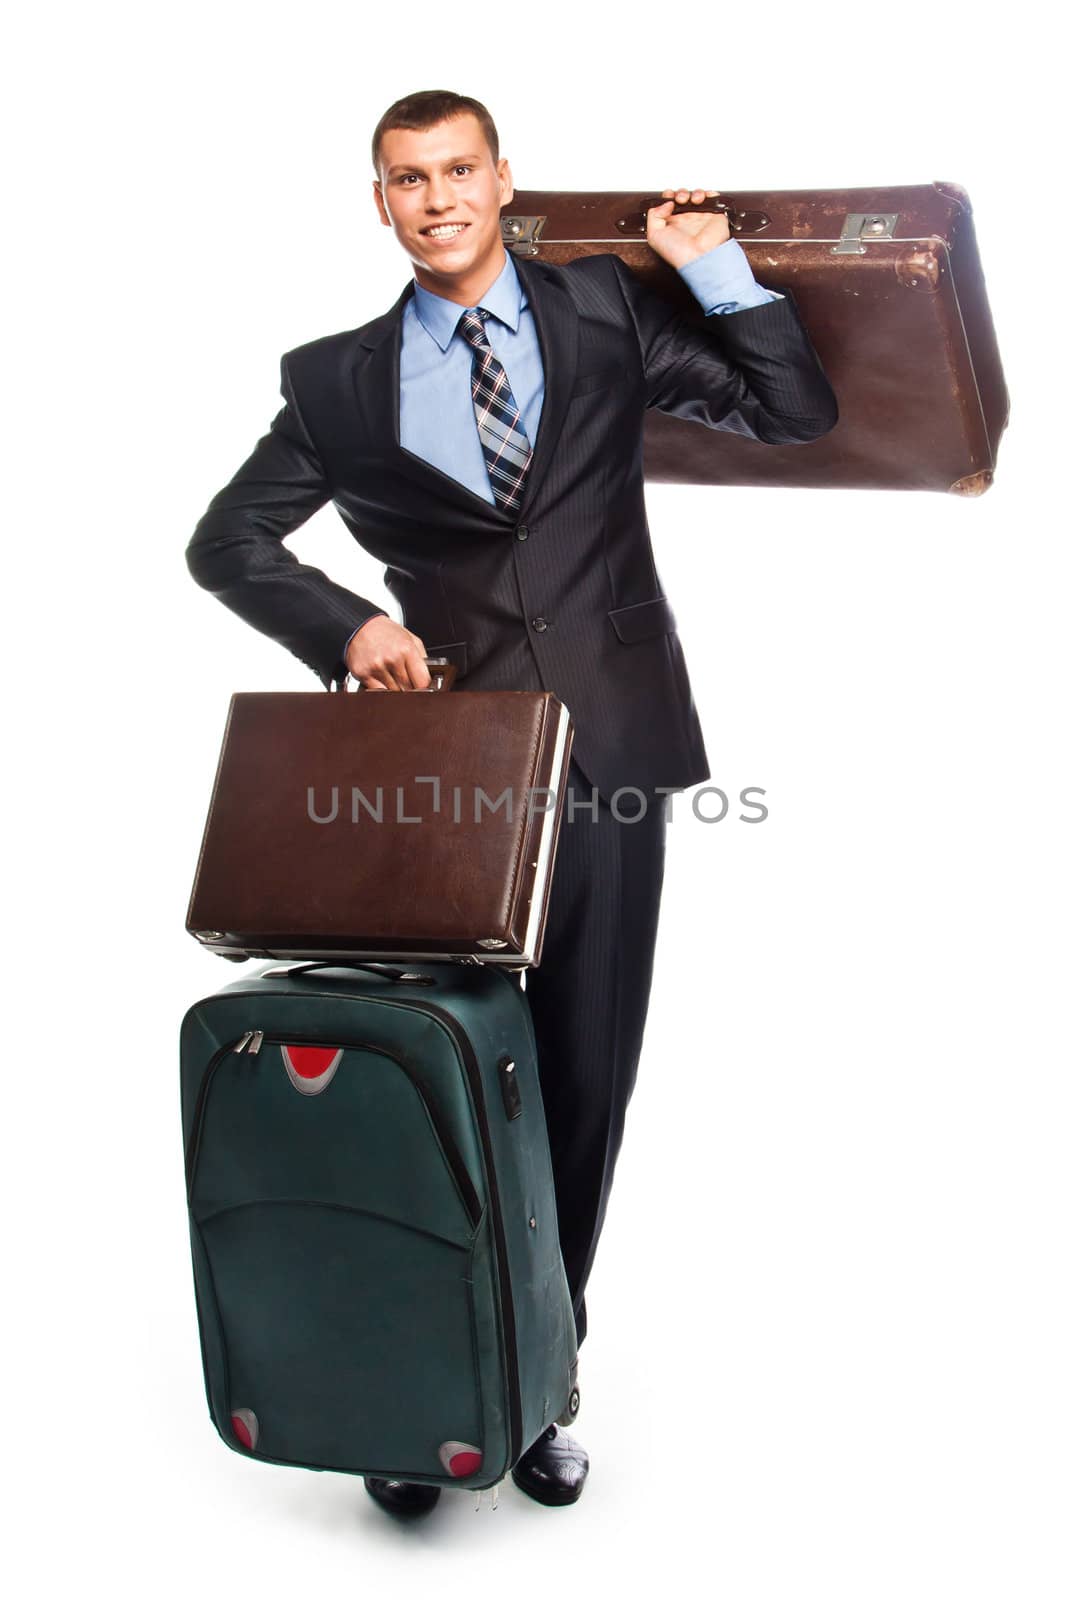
x=401, y=669
x=411, y=663
x=383, y=675
x=411, y=671
x=398, y=677
x=418, y=671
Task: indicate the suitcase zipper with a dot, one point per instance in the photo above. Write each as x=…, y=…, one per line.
x=252, y=1042
x=507, y=1297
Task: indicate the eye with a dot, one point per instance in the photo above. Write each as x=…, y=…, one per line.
x=460, y=167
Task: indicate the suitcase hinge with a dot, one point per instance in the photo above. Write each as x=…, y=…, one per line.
x=860, y=225
x=522, y=234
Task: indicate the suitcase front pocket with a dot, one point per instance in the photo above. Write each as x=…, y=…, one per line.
x=334, y=1234
x=374, y=1106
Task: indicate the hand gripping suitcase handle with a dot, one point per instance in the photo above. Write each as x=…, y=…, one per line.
x=635, y=223
x=442, y=676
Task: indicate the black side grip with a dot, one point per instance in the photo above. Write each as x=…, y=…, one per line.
x=509, y=1087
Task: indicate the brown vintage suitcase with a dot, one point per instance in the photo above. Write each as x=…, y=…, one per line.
x=889, y=286
x=351, y=825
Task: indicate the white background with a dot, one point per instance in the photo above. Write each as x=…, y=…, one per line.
x=826, y=1348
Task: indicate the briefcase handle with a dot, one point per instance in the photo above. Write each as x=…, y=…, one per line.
x=635, y=223
x=442, y=676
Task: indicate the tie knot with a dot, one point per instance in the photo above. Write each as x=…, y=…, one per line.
x=472, y=326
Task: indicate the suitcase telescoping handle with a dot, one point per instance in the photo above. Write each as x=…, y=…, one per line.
x=635, y=223
x=442, y=675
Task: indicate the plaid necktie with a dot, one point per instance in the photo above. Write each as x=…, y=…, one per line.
x=505, y=446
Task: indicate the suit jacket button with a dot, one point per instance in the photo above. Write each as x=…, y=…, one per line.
x=539, y=624
x=522, y=532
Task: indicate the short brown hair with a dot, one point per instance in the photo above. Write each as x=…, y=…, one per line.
x=425, y=110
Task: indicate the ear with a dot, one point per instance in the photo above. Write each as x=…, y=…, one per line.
x=507, y=188
x=380, y=203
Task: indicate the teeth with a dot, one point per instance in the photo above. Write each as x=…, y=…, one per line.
x=447, y=231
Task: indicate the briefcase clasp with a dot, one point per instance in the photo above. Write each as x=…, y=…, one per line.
x=522, y=234
x=860, y=225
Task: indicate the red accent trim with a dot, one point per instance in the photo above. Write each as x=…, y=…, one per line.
x=245, y=1428
x=459, y=1460
x=312, y=1060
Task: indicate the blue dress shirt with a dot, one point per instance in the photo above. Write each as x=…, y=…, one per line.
x=436, y=413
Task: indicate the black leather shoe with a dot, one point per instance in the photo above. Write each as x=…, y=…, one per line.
x=553, y=1470
x=403, y=1499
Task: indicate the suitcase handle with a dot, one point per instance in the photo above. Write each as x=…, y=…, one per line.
x=380, y=970
x=635, y=223
x=442, y=676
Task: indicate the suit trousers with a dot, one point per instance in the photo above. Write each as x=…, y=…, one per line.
x=589, y=998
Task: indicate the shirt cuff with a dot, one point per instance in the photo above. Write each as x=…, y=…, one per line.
x=721, y=280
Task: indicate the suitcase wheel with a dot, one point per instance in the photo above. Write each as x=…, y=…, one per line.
x=574, y=1400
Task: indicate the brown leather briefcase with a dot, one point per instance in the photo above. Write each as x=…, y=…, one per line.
x=888, y=284
x=391, y=825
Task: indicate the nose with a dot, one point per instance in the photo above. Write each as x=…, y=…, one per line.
x=438, y=193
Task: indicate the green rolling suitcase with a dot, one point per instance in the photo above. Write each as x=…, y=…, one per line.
x=378, y=1278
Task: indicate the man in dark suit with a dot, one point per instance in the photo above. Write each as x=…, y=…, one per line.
x=483, y=438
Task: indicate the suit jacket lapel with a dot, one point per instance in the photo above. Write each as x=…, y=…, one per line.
x=377, y=377
x=377, y=383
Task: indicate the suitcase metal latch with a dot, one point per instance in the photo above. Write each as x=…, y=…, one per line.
x=860, y=225
x=522, y=233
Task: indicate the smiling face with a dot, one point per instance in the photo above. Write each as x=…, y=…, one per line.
x=441, y=192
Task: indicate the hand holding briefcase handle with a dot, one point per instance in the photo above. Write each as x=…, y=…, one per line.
x=382, y=655
x=442, y=676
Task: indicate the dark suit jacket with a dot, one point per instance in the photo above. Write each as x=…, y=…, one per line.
x=563, y=595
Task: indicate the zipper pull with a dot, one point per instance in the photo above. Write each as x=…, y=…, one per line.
x=257, y=1040
x=242, y=1041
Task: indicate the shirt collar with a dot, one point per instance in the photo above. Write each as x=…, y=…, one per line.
x=504, y=299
